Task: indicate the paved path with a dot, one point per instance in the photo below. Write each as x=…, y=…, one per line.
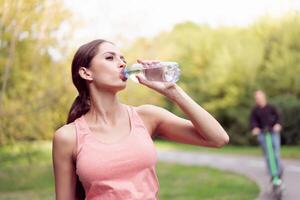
x=252, y=167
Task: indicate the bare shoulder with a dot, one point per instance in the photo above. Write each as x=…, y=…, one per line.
x=151, y=115
x=149, y=112
x=152, y=111
x=66, y=133
x=65, y=137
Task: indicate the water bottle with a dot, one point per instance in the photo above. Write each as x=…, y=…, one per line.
x=160, y=71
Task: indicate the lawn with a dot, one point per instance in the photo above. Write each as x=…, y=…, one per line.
x=288, y=152
x=192, y=183
x=26, y=173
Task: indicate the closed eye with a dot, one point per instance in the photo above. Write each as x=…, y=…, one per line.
x=112, y=55
x=109, y=58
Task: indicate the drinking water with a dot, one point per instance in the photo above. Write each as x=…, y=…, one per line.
x=160, y=71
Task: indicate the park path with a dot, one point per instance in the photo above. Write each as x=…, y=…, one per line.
x=250, y=166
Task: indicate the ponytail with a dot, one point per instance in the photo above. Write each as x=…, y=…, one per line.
x=80, y=106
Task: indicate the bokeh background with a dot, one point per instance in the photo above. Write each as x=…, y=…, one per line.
x=226, y=50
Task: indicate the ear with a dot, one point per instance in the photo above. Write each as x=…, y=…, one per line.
x=85, y=73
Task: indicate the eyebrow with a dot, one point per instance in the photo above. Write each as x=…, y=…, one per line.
x=113, y=53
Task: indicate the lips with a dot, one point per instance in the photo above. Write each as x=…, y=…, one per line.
x=122, y=75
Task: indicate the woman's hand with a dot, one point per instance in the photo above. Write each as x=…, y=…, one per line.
x=167, y=89
x=201, y=129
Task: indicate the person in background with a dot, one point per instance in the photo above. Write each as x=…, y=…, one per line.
x=106, y=146
x=265, y=117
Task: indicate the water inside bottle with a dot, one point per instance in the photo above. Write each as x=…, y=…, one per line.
x=151, y=74
x=172, y=73
x=154, y=74
x=163, y=72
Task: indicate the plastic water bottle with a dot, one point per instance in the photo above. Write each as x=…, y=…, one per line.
x=160, y=71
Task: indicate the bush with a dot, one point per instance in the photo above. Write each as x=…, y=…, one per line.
x=289, y=108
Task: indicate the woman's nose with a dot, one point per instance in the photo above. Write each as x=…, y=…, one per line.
x=122, y=64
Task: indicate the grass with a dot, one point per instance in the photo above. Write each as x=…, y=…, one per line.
x=180, y=182
x=288, y=152
x=26, y=173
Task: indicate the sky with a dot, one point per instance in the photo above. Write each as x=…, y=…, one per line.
x=126, y=20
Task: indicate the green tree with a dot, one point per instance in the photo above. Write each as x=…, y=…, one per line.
x=32, y=75
x=221, y=67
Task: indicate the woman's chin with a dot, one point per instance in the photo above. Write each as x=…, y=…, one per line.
x=121, y=86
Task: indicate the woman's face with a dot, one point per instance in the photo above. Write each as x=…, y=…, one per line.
x=106, y=67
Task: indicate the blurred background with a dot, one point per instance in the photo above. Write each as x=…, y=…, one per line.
x=226, y=50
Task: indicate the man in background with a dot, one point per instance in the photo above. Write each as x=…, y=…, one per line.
x=265, y=118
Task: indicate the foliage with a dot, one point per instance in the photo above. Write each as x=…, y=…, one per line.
x=33, y=75
x=221, y=67
x=289, y=108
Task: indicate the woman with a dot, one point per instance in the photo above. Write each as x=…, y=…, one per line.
x=107, y=146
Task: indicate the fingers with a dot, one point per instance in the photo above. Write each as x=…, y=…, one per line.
x=148, y=63
x=170, y=85
x=142, y=80
x=140, y=61
x=151, y=84
x=156, y=85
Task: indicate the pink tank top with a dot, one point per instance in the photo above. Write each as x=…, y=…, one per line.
x=124, y=170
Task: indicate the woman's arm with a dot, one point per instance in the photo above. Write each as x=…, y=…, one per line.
x=201, y=129
x=64, y=171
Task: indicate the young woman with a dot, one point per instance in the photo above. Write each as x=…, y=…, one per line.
x=107, y=146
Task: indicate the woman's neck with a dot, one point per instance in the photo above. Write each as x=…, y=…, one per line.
x=105, y=109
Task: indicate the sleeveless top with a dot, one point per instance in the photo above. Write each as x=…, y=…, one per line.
x=124, y=170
